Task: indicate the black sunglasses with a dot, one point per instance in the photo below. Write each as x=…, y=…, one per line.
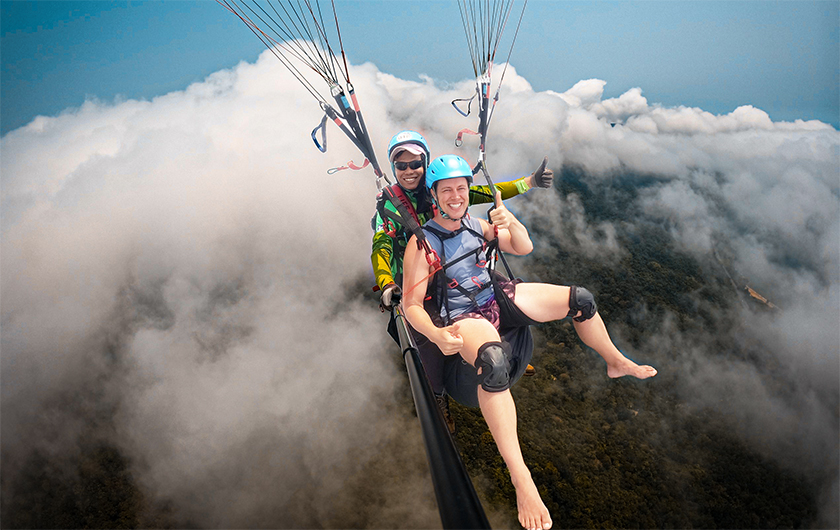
x=414, y=164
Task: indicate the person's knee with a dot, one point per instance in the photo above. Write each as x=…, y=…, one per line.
x=580, y=299
x=494, y=361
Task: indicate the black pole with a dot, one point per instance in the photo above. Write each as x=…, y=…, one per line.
x=456, y=498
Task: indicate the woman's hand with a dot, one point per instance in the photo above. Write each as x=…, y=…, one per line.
x=512, y=234
x=500, y=216
x=449, y=340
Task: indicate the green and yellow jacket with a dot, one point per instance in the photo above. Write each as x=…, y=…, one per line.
x=390, y=238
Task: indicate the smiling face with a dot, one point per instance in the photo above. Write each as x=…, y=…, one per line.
x=453, y=196
x=409, y=178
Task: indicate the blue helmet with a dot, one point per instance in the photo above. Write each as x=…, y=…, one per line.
x=448, y=167
x=409, y=141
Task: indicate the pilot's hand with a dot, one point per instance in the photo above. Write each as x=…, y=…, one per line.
x=542, y=177
x=544, y=180
x=390, y=293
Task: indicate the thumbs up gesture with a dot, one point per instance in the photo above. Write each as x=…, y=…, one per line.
x=500, y=216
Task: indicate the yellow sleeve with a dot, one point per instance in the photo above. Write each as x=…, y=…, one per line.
x=481, y=194
x=380, y=258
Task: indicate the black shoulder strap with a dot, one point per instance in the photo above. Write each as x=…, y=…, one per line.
x=441, y=235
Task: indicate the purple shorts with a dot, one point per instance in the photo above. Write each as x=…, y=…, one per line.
x=490, y=310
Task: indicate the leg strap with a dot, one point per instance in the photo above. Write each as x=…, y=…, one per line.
x=494, y=361
x=580, y=299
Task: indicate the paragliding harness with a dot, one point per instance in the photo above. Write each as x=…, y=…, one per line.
x=437, y=293
x=516, y=341
x=436, y=301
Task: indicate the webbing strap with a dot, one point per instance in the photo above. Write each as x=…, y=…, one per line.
x=322, y=145
x=409, y=219
x=396, y=192
x=391, y=221
x=469, y=105
x=449, y=235
x=475, y=252
x=350, y=165
x=459, y=140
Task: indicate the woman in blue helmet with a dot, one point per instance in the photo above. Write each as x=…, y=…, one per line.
x=473, y=312
x=409, y=154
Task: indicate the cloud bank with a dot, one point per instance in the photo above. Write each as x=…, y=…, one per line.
x=170, y=273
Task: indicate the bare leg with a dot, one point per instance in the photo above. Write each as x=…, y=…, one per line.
x=594, y=334
x=545, y=302
x=499, y=412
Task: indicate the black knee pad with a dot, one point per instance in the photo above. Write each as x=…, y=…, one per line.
x=580, y=299
x=494, y=361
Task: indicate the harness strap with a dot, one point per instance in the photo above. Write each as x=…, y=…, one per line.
x=476, y=252
x=451, y=283
x=464, y=256
x=471, y=294
x=407, y=217
x=449, y=235
x=395, y=190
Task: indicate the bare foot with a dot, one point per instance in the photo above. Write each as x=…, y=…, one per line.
x=628, y=367
x=533, y=515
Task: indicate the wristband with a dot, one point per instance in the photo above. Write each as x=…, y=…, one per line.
x=522, y=185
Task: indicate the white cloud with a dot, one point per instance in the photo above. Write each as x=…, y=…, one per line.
x=631, y=103
x=184, y=257
x=584, y=94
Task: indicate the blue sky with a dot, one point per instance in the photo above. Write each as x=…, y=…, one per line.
x=782, y=57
